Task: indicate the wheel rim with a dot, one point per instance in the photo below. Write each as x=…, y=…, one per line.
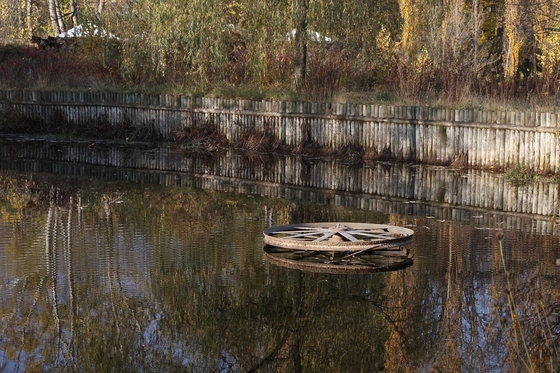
x=337, y=236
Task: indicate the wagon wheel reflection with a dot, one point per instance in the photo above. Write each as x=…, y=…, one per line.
x=325, y=262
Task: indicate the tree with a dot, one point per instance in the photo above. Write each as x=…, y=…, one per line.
x=519, y=41
x=100, y=7
x=56, y=18
x=301, y=8
x=16, y=20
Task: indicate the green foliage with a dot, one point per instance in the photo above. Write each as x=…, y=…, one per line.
x=455, y=51
x=519, y=175
x=208, y=42
x=176, y=40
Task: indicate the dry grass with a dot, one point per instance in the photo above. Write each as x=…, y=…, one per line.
x=200, y=139
x=333, y=75
x=258, y=142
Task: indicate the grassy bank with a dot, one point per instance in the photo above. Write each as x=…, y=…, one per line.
x=80, y=67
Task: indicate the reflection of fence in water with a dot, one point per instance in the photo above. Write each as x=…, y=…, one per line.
x=441, y=192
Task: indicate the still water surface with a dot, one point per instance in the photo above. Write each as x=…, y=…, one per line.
x=145, y=277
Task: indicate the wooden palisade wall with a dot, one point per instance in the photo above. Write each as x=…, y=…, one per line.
x=409, y=133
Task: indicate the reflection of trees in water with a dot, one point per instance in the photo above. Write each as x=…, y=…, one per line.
x=94, y=310
x=270, y=318
x=530, y=300
x=128, y=286
x=298, y=322
x=38, y=326
x=457, y=314
x=51, y=313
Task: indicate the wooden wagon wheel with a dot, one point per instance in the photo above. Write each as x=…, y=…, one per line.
x=337, y=236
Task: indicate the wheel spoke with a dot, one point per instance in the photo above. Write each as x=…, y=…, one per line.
x=336, y=236
x=325, y=236
x=349, y=236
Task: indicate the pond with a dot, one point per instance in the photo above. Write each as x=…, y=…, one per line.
x=161, y=267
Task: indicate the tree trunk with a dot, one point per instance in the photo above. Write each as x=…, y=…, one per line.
x=74, y=11
x=100, y=7
x=60, y=17
x=28, y=17
x=53, y=14
x=300, y=55
x=476, y=33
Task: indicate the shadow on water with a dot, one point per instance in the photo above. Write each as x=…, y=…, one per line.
x=169, y=273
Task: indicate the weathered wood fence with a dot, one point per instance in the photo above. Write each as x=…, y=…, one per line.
x=415, y=134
